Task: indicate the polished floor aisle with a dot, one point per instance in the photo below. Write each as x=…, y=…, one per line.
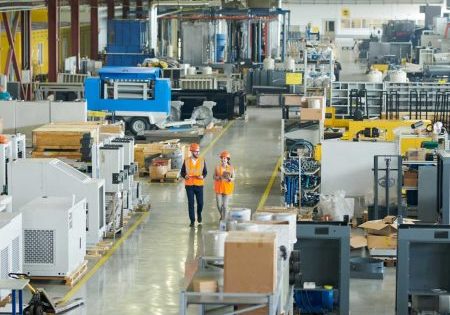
x=145, y=274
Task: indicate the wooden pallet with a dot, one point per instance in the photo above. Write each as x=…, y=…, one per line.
x=143, y=173
x=68, y=154
x=142, y=208
x=69, y=280
x=98, y=250
x=164, y=180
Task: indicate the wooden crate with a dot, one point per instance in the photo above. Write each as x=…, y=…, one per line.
x=62, y=137
x=68, y=154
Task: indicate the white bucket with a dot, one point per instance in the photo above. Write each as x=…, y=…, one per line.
x=375, y=76
x=240, y=215
x=206, y=70
x=262, y=216
x=398, y=76
x=214, y=243
x=289, y=64
x=314, y=103
x=248, y=227
x=292, y=219
x=269, y=63
x=192, y=71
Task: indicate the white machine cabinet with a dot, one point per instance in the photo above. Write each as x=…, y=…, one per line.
x=111, y=167
x=55, y=246
x=5, y=203
x=129, y=168
x=10, y=246
x=32, y=178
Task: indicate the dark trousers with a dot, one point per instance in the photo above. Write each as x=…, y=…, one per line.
x=196, y=191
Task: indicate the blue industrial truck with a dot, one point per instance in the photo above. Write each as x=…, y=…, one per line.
x=137, y=95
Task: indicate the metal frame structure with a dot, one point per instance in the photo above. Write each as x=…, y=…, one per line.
x=318, y=256
x=212, y=266
x=419, y=247
x=376, y=182
x=443, y=187
x=252, y=16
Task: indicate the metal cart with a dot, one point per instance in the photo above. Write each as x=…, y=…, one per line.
x=224, y=303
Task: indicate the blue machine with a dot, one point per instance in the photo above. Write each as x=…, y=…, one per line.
x=132, y=93
x=127, y=42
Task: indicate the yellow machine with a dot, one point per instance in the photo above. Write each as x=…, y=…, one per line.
x=376, y=129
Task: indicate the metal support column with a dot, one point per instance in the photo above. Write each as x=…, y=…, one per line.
x=125, y=9
x=25, y=27
x=110, y=9
x=94, y=29
x=12, y=50
x=12, y=31
x=284, y=39
x=75, y=30
x=53, y=21
x=259, y=41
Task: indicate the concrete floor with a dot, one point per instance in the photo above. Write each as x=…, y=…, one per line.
x=145, y=274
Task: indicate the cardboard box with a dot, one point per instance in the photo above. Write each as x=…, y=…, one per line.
x=293, y=100
x=382, y=242
x=250, y=262
x=416, y=154
x=378, y=227
x=312, y=114
x=358, y=241
x=205, y=285
x=410, y=178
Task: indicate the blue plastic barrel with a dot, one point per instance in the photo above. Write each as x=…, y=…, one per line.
x=221, y=40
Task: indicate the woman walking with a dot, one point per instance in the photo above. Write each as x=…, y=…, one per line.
x=223, y=183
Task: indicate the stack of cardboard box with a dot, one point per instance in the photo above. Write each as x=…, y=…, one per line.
x=382, y=234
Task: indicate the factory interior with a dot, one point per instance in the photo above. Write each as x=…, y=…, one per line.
x=225, y=157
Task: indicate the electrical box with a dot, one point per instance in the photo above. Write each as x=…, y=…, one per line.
x=32, y=178
x=55, y=246
x=10, y=246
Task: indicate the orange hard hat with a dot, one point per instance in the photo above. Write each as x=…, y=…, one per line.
x=194, y=147
x=3, y=139
x=225, y=154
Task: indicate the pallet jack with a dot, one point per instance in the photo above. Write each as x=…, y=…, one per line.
x=40, y=302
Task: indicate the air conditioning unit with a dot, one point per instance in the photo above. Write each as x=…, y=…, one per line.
x=10, y=246
x=32, y=178
x=54, y=233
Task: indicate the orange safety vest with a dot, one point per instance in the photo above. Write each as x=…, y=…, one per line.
x=223, y=186
x=193, y=171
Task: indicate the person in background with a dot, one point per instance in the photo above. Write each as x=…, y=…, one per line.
x=194, y=172
x=223, y=183
x=337, y=70
x=4, y=95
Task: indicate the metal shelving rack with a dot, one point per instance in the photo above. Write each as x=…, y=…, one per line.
x=404, y=91
x=340, y=97
x=328, y=66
